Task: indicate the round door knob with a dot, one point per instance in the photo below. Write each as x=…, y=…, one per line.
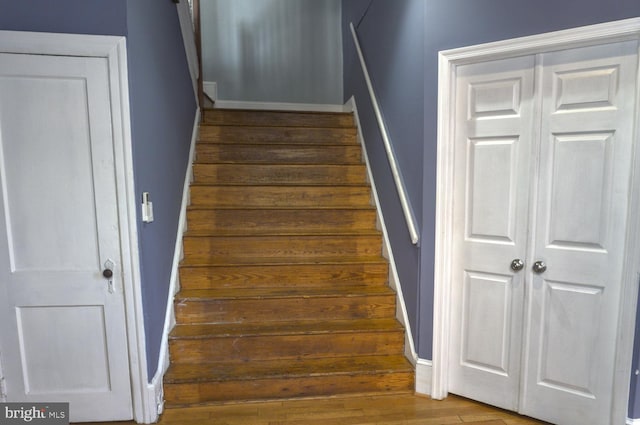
x=108, y=273
x=539, y=267
x=517, y=265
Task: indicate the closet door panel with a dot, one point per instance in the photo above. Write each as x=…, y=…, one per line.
x=587, y=110
x=493, y=148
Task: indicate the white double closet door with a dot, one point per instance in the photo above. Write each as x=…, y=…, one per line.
x=543, y=160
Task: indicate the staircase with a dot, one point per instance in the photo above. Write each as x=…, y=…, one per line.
x=283, y=285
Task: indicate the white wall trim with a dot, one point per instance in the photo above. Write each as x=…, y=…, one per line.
x=424, y=370
x=210, y=88
x=409, y=217
x=633, y=421
x=394, y=279
x=448, y=61
x=189, y=40
x=277, y=106
x=155, y=392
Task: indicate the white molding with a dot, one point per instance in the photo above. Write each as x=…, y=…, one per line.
x=633, y=421
x=210, y=88
x=277, y=106
x=424, y=369
x=189, y=40
x=448, y=61
x=409, y=217
x=394, y=279
x=129, y=233
x=58, y=44
x=155, y=392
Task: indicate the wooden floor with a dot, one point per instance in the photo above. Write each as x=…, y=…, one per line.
x=378, y=410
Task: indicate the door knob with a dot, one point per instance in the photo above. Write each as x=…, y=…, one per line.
x=517, y=265
x=107, y=273
x=539, y=267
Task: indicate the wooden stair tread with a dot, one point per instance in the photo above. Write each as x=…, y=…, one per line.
x=276, y=232
x=342, y=291
x=242, y=261
x=245, y=153
x=278, y=118
x=277, y=135
x=288, y=369
x=298, y=327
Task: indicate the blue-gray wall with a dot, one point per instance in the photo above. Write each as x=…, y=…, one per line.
x=273, y=50
x=162, y=112
x=401, y=40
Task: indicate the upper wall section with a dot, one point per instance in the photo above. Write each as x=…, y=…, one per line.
x=273, y=50
x=64, y=16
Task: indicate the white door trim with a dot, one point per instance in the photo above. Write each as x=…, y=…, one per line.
x=113, y=48
x=449, y=60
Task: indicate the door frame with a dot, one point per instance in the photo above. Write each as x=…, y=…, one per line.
x=448, y=61
x=113, y=49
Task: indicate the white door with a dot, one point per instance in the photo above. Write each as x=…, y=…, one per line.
x=62, y=324
x=492, y=154
x=542, y=340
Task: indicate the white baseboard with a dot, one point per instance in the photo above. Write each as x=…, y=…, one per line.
x=277, y=106
x=210, y=88
x=423, y=377
x=633, y=421
x=394, y=279
x=155, y=392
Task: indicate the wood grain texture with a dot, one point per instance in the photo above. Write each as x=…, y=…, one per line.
x=278, y=119
x=405, y=409
x=284, y=289
x=277, y=135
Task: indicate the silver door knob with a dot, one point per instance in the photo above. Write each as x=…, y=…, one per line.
x=517, y=265
x=539, y=267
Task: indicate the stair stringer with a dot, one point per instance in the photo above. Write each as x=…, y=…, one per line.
x=394, y=280
x=155, y=390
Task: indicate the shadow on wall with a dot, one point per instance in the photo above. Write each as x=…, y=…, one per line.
x=273, y=50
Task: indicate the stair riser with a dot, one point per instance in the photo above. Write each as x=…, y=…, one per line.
x=207, y=250
x=270, y=347
x=278, y=135
x=269, y=154
x=308, y=275
x=256, y=174
x=238, y=222
x=289, y=119
x=280, y=197
x=283, y=388
x=257, y=310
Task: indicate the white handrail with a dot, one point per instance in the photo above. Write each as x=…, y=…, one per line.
x=397, y=178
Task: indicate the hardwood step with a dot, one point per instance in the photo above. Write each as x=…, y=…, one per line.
x=279, y=222
x=285, y=340
x=277, y=135
x=246, y=249
x=374, y=273
x=278, y=118
x=280, y=196
x=285, y=379
x=250, y=305
x=284, y=154
x=277, y=174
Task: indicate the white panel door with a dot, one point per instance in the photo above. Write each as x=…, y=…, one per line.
x=62, y=324
x=494, y=112
x=543, y=174
x=586, y=145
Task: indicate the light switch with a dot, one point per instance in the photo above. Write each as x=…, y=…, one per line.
x=147, y=208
